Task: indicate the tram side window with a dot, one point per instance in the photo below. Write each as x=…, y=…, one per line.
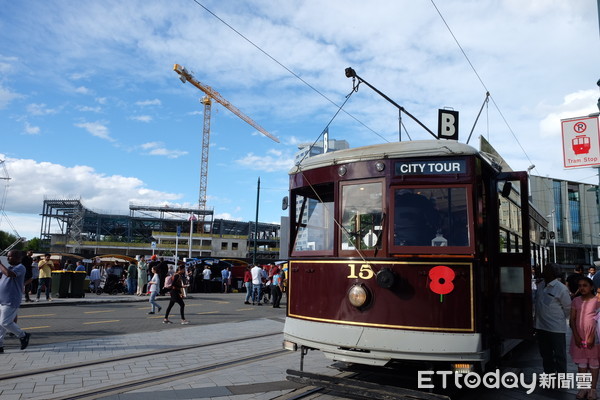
x=362, y=215
x=510, y=221
x=431, y=217
x=314, y=219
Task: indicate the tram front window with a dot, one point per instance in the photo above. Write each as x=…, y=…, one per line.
x=362, y=215
x=314, y=218
x=431, y=217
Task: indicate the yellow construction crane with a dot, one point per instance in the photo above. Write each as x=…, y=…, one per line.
x=185, y=76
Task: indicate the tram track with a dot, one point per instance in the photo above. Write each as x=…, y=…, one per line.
x=130, y=357
x=154, y=380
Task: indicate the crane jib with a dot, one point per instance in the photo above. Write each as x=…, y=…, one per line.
x=187, y=77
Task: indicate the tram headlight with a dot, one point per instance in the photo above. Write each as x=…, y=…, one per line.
x=358, y=295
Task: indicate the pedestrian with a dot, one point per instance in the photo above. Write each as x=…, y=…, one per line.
x=225, y=279
x=131, y=278
x=12, y=279
x=257, y=277
x=276, y=288
x=163, y=272
x=27, y=262
x=80, y=267
x=206, y=279
x=266, y=280
x=584, y=348
x=95, y=278
x=45, y=280
x=553, y=306
x=573, y=281
x=153, y=288
x=35, y=275
x=591, y=272
x=174, y=287
x=248, y=285
x=142, y=276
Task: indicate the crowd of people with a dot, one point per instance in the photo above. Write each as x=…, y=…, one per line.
x=575, y=300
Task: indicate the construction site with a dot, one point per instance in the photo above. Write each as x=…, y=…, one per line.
x=70, y=227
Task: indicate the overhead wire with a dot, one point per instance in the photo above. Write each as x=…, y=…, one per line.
x=284, y=66
x=481, y=81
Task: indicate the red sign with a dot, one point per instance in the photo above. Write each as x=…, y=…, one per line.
x=581, y=142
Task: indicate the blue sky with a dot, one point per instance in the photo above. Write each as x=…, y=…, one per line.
x=90, y=107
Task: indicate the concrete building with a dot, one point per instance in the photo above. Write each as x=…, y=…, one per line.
x=572, y=212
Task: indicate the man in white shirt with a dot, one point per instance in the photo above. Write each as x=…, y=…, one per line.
x=257, y=277
x=552, y=308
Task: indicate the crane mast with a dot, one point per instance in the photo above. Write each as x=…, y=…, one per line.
x=212, y=94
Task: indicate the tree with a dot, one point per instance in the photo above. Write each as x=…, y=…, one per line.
x=34, y=244
x=6, y=239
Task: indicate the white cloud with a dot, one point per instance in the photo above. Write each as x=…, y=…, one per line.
x=578, y=104
x=96, y=190
x=144, y=103
x=142, y=118
x=82, y=90
x=159, y=149
x=6, y=96
x=30, y=129
x=266, y=163
x=101, y=100
x=97, y=129
x=89, y=109
x=40, y=109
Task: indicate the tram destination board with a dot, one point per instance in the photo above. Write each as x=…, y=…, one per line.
x=431, y=167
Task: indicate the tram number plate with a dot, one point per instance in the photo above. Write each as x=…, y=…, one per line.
x=365, y=272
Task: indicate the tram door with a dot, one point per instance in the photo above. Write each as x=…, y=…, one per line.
x=512, y=260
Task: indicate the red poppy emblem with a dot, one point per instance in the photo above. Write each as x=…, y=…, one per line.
x=441, y=279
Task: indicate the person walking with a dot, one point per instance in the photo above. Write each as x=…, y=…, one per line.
x=225, y=279
x=584, y=347
x=153, y=287
x=95, y=277
x=45, y=277
x=257, y=278
x=174, y=287
x=12, y=279
x=248, y=285
x=552, y=306
x=142, y=276
x=131, y=278
x=27, y=262
x=206, y=279
x=276, y=288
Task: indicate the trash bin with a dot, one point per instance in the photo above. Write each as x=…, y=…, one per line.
x=61, y=280
x=77, y=281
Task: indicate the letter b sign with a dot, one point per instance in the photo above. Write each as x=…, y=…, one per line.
x=448, y=124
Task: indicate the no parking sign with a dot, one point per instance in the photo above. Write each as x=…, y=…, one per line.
x=581, y=142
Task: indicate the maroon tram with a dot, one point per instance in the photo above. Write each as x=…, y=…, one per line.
x=414, y=251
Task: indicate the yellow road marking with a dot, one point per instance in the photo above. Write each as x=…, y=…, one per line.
x=207, y=312
x=35, y=315
x=101, y=322
x=36, y=327
x=96, y=312
x=244, y=309
x=219, y=301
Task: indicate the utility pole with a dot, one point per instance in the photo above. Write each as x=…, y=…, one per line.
x=256, y=222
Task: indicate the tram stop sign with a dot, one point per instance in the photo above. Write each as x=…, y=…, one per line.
x=581, y=142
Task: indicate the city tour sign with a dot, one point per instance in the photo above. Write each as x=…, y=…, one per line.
x=581, y=142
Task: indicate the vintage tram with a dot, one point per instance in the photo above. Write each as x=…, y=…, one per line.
x=415, y=251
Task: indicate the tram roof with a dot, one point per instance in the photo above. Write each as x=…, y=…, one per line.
x=411, y=149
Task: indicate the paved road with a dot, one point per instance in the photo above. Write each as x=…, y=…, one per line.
x=61, y=321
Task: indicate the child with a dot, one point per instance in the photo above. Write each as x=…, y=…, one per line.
x=584, y=349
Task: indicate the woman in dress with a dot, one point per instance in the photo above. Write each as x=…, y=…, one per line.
x=584, y=347
x=142, y=276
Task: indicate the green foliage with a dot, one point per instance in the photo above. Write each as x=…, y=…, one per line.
x=6, y=239
x=34, y=245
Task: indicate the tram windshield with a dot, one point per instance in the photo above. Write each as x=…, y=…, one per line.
x=314, y=218
x=431, y=216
